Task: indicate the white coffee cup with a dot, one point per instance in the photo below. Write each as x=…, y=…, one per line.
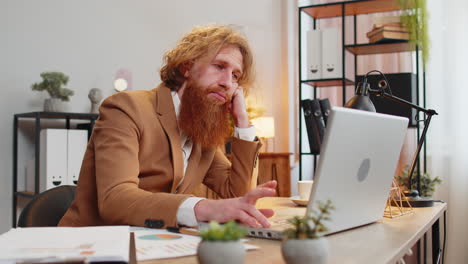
x=304, y=188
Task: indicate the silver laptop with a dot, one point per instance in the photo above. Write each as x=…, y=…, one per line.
x=358, y=160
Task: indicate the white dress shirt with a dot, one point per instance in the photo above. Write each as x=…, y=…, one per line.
x=186, y=212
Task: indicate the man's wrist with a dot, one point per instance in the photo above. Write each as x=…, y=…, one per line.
x=242, y=122
x=200, y=210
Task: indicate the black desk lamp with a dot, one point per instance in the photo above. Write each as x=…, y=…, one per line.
x=362, y=101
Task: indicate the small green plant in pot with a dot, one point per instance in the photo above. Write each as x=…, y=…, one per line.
x=52, y=83
x=221, y=244
x=427, y=183
x=303, y=241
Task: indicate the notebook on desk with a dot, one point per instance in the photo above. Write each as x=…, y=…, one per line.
x=358, y=160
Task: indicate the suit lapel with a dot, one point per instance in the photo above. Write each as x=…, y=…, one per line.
x=167, y=118
x=192, y=168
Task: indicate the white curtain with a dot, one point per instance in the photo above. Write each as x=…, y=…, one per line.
x=447, y=93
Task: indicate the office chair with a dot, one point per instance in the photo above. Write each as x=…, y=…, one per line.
x=47, y=208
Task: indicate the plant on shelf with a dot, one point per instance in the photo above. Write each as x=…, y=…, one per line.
x=414, y=18
x=427, y=183
x=52, y=83
x=221, y=244
x=303, y=241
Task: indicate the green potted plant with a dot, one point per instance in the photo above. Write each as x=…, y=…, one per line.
x=221, y=244
x=414, y=18
x=427, y=183
x=52, y=83
x=304, y=242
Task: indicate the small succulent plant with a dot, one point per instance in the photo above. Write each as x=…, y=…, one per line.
x=311, y=226
x=230, y=231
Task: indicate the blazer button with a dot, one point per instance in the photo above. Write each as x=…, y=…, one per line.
x=153, y=223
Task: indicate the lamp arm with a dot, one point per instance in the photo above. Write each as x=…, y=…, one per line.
x=401, y=101
x=418, y=150
x=429, y=113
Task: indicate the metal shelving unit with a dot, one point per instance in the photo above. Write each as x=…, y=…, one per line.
x=37, y=117
x=343, y=10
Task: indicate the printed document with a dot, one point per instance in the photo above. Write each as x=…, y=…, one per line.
x=161, y=244
x=59, y=244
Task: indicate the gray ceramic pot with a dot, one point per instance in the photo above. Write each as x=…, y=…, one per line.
x=225, y=252
x=53, y=105
x=302, y=251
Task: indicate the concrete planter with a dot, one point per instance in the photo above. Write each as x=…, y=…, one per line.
x=302, y=251
x=53, y=105
x=225, y=252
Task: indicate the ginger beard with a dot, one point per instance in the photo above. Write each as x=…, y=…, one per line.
x=202, y=119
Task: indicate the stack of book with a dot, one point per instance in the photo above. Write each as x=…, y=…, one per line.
x=388, y=29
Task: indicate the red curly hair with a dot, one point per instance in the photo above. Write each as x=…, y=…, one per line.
x=201, y=42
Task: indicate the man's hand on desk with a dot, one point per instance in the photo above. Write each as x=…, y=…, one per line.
x=241, y=208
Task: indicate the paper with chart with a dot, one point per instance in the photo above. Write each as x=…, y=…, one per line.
x=160, y=244
x=55, y=244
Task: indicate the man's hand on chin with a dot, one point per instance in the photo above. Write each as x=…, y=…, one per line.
x=238, y=108
x=241, y=208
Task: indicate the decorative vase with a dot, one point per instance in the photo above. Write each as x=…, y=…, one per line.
x=225, y=252
x=53, y=105
x=302, y=251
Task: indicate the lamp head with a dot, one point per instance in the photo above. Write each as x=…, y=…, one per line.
x=361, y=100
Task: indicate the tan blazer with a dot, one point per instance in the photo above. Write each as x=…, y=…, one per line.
x=133, y=164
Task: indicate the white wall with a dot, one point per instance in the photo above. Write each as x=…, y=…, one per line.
x=90, y=40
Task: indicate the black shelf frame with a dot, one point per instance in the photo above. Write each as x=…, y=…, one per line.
x=37, y=116
x=343, y=10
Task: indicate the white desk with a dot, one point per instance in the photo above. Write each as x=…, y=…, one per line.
x=383, y=242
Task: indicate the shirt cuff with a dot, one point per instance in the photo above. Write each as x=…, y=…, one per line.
x=247, y=133
x=186, y=213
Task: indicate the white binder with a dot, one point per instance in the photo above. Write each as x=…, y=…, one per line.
x=314, y=55
x=332, y=66
x=77, y=141
x=53, y=158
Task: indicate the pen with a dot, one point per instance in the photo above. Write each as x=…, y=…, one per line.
x=183, y=230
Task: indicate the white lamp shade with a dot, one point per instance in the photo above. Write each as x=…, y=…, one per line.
x=120, y=84
x=264, y=126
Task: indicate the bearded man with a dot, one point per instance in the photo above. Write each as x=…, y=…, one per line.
x=150, y=149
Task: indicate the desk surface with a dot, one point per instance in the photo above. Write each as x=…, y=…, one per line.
x=383, y=242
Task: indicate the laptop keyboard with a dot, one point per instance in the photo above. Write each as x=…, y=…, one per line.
x=275, y=231
x=280, y=221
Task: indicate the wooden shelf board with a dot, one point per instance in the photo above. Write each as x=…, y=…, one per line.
x=351, y=8
x=380, y=48
x=328, y=82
